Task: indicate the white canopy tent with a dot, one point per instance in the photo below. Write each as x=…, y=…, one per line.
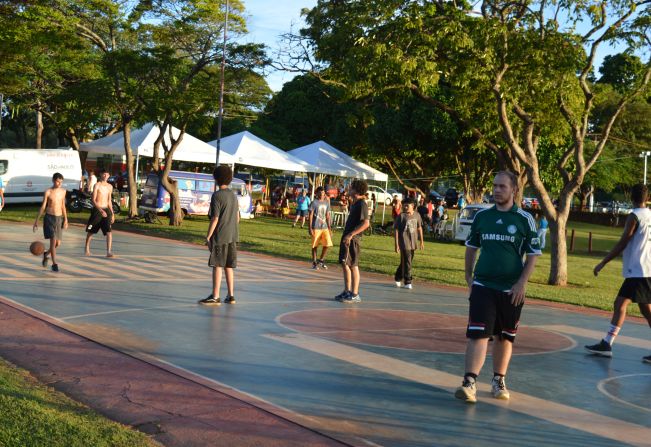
x=325, y=159
x=247, y=149
x=142, y=143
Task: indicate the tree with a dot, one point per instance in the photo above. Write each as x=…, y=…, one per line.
x=517, y=57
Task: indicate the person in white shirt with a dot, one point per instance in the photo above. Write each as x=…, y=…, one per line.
x=92, y=181
x=636, y=245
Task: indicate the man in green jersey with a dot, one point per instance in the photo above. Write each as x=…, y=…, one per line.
x=505, y=234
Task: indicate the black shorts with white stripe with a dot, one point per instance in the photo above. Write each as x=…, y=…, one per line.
x=492, y=314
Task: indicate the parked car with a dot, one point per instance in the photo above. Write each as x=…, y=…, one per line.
x=451, y=197
x=465, y=218
x=382, y=195
x=435, y=196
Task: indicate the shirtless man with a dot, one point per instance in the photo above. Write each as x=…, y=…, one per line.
x=101, y=216
x=55, y=220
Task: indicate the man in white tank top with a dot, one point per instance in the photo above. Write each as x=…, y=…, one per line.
x=636, y=245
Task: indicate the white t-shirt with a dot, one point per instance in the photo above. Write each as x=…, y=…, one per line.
x=637, y=254
x=92, y=181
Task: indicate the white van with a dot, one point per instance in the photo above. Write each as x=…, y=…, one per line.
x=382, y=196
x=464, y=220
x=27, y=173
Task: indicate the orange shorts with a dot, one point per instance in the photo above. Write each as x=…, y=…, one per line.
x=321, y=237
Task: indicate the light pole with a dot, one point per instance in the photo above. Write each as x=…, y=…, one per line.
x=221, y=92
x=644, y=155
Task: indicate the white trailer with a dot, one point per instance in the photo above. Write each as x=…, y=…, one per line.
x=27, y=173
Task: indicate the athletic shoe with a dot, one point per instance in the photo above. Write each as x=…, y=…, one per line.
x=210, y=301
x=407, y=286
x=315, y=266
x=398, y=284
x=45, y=259
x=55, y=267
x=602, y=349
x=342, y=295
x=467, y=391
x=498, y=388
x=647, y=359
x=322, y=264
x=230, y=300
x=350, y=299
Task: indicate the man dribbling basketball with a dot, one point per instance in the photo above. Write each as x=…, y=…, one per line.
x=55, y=220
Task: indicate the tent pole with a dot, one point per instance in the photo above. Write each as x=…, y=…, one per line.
x=384, y=202
x=137, y=164
x=313, y=187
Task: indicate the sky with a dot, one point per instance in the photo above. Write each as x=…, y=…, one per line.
x=267, y=20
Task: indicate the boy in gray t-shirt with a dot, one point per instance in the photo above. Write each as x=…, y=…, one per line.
x=319, y=221
x=408, y=230
x=223, y=235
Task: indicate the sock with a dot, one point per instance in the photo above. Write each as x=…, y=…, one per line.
x=497, y=376
x=467, y=376
x=612, y=333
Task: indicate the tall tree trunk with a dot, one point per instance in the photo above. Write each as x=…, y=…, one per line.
x=39, y=129
x=558, y=269
x=171, y=186
x=133, y=188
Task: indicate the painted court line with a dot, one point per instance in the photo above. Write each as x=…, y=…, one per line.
x=597, y=335
x=574, y=418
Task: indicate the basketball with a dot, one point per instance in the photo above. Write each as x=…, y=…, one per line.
x=37, y=248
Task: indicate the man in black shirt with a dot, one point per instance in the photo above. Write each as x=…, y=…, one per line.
x=349, y=248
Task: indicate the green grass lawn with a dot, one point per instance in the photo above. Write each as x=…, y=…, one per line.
x=32, y=414
x=441, y=262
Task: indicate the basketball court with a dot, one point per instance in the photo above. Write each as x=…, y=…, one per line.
x=381, y=372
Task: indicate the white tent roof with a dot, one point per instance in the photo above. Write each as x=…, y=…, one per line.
x=142, y=143
x=247, y=149
x=325, y=159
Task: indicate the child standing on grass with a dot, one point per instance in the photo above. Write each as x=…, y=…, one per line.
x=408, y=230
x=223, y=236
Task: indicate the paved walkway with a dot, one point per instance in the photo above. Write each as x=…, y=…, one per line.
x=378, y=373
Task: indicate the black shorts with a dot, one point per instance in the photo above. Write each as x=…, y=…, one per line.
x=97, y=221
x=636, y=289
x=491, y=313
x=349, y=254
x=223, y=255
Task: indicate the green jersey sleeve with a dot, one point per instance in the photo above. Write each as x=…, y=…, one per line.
x=532, y=242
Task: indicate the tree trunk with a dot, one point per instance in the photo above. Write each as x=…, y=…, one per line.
x=39, y=129
x=171, y=186
x=133, y=188
x=558, y=269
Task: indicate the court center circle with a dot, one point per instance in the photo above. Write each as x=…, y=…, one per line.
x=420, y=331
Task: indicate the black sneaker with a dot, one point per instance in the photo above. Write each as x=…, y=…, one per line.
x=352, y=298
x=45, y=259
x=602, y=349
x=647, y=359
x=322, y=264
x=55, y=267
x=315, y=266
x=210, y=301
x=230, y=300
x=342, y=296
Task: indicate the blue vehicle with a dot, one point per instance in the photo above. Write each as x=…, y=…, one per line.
x=195, y=191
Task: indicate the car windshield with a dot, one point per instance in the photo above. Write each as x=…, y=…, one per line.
x=3, y=166
x=468, y=213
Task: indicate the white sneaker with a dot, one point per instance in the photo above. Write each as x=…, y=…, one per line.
x=407, y=286
x=498, y=388
x=398, y=284
x=467, y=392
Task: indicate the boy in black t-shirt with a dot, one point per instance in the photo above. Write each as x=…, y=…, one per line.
x=223, y=235
x=349, y=248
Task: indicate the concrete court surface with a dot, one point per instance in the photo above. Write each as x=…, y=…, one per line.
x=381, y=372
